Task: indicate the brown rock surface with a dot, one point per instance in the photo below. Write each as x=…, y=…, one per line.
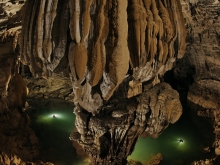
x=201, y=61
x=112, y=51
x=108, y=138
x=98, y=43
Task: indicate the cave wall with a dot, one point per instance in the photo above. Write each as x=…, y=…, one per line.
x=199, y=69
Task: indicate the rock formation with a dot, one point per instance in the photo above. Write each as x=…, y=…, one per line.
x=93, y=50
x=18, y=143
x=115, y=54
x=93, y=39
x=199, y=69
x=110, y=136
x=110, y=58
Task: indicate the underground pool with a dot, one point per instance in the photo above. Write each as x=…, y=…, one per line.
x=53, y=122
x=180, y=144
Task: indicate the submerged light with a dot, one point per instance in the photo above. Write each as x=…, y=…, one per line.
x=55, y=115
x=180, y=140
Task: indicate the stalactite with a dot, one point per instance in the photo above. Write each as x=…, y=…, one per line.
x=75, y=20
x=24, y=32
x=159, y=31
x=118, y=66
x=59, y=35
x=98, y=53
x=181, y=31
x=20, y=91
x=86, y=19
x=137, y=27
x=150, y=25
x=168, y=29
x=49, y=19
x=40, y=30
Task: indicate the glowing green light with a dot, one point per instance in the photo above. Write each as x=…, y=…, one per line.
x=58, y=119
x=51, y=117
x=181, y=141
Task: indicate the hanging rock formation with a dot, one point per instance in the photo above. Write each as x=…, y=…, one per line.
x=97, y=39
x=115, y=54
x=77, y=39
x=109, y=137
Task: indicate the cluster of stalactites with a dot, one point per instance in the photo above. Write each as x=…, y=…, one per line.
x=98, y=53
x=156, y=36
x=53, y=30
x=154, y=27
x=44, y=35
x=98, y=38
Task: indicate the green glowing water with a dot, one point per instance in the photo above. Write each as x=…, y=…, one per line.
x=196, y=136
x=53, y=132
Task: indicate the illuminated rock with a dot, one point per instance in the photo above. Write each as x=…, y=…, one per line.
x=155, y=160
x=99, y=43
x=112, y=138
